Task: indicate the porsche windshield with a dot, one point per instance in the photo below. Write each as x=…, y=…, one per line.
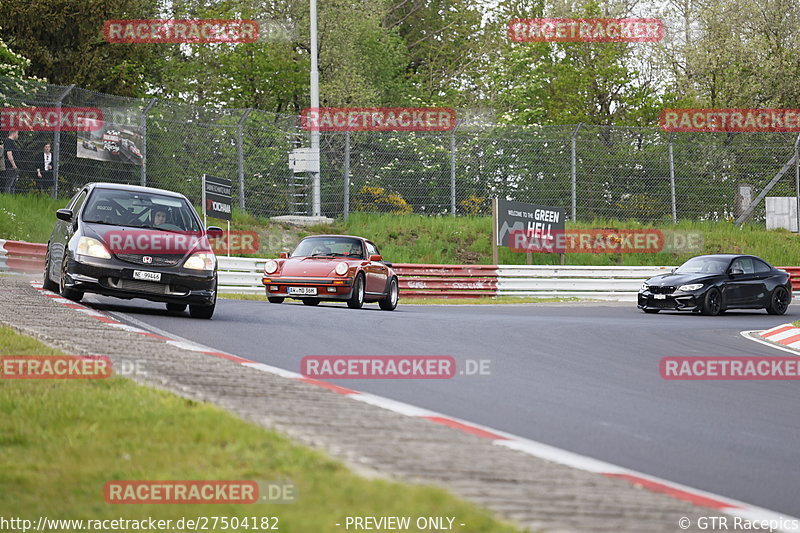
x=140, y=210
x=329, y=246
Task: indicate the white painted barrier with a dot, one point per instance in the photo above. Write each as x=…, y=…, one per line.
x=596, y=282
x=242, y=275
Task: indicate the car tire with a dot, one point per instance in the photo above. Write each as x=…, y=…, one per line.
x=69, y=294
x=356, y=300
x=47, y=283
x=390, y=302
x=275, y=299
x=651, y=311
x=310, y=301
x=712, y=302
x=779, y=301
x=204, y=311
x=176, y=308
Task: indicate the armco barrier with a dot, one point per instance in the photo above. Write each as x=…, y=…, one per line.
x=450, y=281
x=597, y=282
x=243, y=275
x=19, y=256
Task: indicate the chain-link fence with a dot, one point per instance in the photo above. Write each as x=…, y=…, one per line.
x=594, y=172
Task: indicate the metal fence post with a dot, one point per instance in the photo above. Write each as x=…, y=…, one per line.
x=346, y=206
x=143, y=170
x=672, y=181
x=574, y=174
x=797, y=178
x=57, y=141
x=240, y=156
x=453, y=170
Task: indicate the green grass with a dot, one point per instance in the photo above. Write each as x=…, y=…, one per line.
x=437, y=301
x=28, y=217
x=442, y=239
x=467, y=240
x=61, y=441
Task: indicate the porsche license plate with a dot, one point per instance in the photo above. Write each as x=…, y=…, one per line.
x=659, y=296
x=306, y=291
x=146, y=276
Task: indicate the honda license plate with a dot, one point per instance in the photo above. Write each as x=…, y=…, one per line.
x=146, y=276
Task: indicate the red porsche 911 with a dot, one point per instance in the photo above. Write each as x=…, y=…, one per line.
x=332, y=268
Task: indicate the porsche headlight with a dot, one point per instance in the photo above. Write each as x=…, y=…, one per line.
x=201, y=261
x=644, y=286
x=341, y=268
x=270, y=267
x=92, y=248
x=690, y=287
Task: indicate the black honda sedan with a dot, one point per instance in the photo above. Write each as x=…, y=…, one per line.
x=133, y=242
x=711, y=284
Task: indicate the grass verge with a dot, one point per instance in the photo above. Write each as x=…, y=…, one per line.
x=443, y=239
x=60, y=441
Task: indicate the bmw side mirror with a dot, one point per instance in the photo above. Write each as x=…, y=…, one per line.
x=375, y=258
x=64, y=214
x=736, y=272
x=214, y=232
x=284, y=255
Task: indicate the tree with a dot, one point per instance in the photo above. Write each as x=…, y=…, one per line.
x=562, y=83
x=64, y=41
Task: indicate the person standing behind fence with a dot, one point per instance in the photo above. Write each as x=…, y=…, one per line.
x=10, y=155
x=44, y=170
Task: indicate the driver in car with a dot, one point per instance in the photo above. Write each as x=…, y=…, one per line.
x=159, y=217
x=320, y=249
x=356, y=250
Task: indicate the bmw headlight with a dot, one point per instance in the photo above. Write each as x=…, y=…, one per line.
x=690, y=287
x=270, y=267
x=92, y=248
x=644, y=286
x=201, y=261
x=341, y=268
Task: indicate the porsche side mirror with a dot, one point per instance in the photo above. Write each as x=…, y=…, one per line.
x=284, y=255
x=673, y=270
x=375, y=258
x=64, y=214
x=736, y=272
x=214, y=232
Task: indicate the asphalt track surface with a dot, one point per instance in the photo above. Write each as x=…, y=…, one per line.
x=582, y=377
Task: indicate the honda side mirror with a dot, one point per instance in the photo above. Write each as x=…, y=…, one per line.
x=214, y=232
x=375, y=258
x=64, y=214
